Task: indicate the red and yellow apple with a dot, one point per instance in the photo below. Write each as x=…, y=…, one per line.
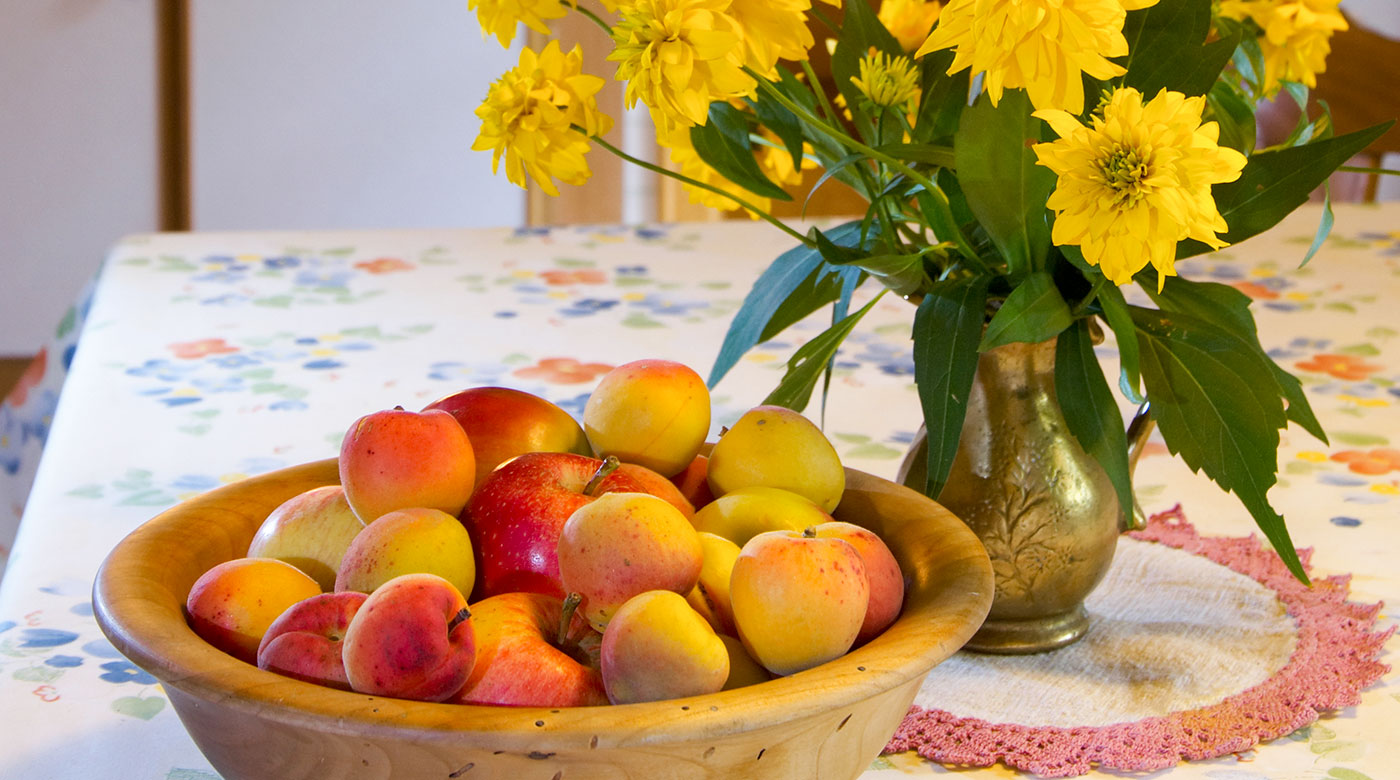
x=523, y=660
x=747, y=512
x=231, y=605
x=503, y=422
x=411, y=639
x=408, y=541
x=305, y=641
x=623, y=544
x=693, y=482
x=655, y=413
x=799, y=600
x=311, y=531
x=396, y=459
x=656, y=647
x=710, y=596
x=881, y=571
x=777, y=447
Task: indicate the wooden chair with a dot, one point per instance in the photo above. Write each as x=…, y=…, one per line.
x=1361, y=86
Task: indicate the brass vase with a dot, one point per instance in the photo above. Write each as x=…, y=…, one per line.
x=1043, y=507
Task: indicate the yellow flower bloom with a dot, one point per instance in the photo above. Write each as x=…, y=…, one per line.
x=772, y=30
x=909, y=20
x=1297, y=36
x=675, y=138
x=1041, y=45
x=529, y=114
x=1136, y=181
x=888, y=82
x=501, y=17
x=677, y=56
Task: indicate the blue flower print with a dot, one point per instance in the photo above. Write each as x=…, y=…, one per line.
x=45, y=637
x=125, y=671
x=64, y=661
x=278, y=263
x=586, y=306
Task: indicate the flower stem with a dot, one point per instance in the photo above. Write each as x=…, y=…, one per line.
x=814, y=82
x=708, y=187
x=1088, y=299
x=854, y=145
x=596, y=19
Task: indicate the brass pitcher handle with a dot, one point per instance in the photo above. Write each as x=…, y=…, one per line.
x=1139, y=431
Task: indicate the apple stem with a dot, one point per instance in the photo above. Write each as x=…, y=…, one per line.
x=610, y=465
x=810, y=532
x=457, y=619
x=566, y=617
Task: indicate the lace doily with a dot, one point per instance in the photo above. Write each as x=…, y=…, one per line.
x=1332, y=659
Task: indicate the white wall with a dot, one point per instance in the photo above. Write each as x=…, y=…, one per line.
x=77, y=151
x=331, y=114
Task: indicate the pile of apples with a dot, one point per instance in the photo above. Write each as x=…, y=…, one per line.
x=608, y=562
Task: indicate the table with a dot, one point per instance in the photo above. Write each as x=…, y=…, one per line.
x=208, y=357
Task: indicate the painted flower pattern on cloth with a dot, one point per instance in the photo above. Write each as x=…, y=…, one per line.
x=279, y=333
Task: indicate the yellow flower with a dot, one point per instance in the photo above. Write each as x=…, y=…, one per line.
x=909, y=20
x=1041, y=45
x=1136, y=181
x=888, y=82
x=500, y=17
x=677, y=56
x=1297, y=36
x=772, y=30
x=529, y=114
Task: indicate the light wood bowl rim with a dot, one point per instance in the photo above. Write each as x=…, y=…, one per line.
x=141, y=612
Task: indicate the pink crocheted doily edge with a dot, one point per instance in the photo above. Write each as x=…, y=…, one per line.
x=1334, y=660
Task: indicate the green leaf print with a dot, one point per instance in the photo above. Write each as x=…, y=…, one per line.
x=138, y=707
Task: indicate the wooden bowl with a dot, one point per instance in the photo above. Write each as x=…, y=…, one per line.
x=826, y=722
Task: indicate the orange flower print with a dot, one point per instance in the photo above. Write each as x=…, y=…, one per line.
x=30, y=379
x=384, y=265
x=194, y=350
x=584, y=276
x=1371, y=462
x=1339, y=366
x=564, y=371
x=1255, y=290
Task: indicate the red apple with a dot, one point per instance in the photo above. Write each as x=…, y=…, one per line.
x=516, y=515
x=522, y=660
x=693, y=482
x=305, y=641
x=503, y=423
x=881, y=571
x=412, y=639
x=395, y=459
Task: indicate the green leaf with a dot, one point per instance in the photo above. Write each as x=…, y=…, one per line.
x=1004, y=186
x=1090, y=411
x=1115, y=313
x=1324, y=227
x=1034, y=311
x=723, y=142
x=1214, y=412
x=1275, y=183
x=947, y=326
x=1162, y=41
x=940, y=156
x=903, y=273
x=943, y=99
x=1235, y=116
x=1228, y=309
x=796, y=284
x=784, y=124
x=806, y=365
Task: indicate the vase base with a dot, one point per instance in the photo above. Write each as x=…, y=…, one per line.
x=1030, y=635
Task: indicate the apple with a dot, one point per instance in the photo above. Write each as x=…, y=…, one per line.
x=503, y=423
x=409, y=541
x=232, y=604
x=743, y=670
x=747, y=512
x=777, y=447
x=623, y=544
x=659, y=486
x=655, y=413
x=396, y=459
x=710, y=596
x=530, y=654
x=412, y=639
x=305, y=641
x=515, y=517
x=693, y=481
x=799, y=600
x=657, y=647
x=311, y=531
x=881, y=570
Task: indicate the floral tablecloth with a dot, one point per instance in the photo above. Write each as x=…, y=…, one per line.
x=208, y=357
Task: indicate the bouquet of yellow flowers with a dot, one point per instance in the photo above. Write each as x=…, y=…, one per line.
x=1022, y=160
